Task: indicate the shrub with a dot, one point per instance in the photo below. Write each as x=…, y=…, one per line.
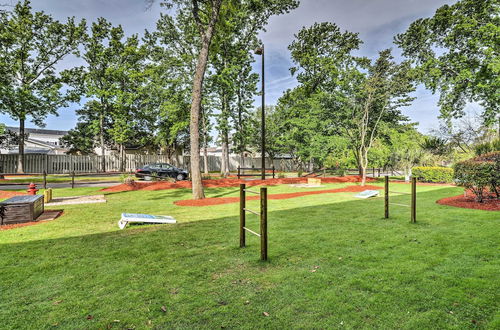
x=478, y=173
x=487, y=147
x=127, y=179
x=433, y=174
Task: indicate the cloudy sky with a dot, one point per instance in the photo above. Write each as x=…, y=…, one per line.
x=377, y=21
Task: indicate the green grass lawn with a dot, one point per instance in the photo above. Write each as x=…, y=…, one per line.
x=334, y=262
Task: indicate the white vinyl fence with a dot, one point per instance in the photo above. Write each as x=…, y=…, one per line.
x=60, y=164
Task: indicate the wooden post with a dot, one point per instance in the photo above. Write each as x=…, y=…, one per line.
x=242, y=214
x=378, y=175
x=273, y=171
x=72, y=179
x=263, y=223
x=413, y=199
x=44, y=179
x=373, y=168
x=238, y=172
x=386, y=194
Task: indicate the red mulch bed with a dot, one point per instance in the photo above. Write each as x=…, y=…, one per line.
x=24, y=224
x=217, y=183
x=469, y=202
x=9, y=194
x=227, y=200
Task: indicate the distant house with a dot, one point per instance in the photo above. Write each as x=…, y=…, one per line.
x=39, y=141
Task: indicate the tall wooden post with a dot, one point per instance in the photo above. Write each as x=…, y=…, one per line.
x=263, y=223
x=44, y=179
x=238, y=172
x=72, y=179
x=273, y=171
x=242, y=214
x=414, y=199
x=386, y=194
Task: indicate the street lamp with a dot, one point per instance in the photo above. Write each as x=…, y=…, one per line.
x=260, y=51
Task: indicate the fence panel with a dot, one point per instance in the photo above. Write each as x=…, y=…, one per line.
x=61, y=164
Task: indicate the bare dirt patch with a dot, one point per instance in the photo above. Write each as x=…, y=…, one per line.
x=469, y=202
x=228, y=200
x=217, y=183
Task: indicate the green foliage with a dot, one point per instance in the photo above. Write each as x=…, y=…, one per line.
x=456, y=53
x=479, y=173
x=32, y=44
x=433, y=174
x=127, y=179
x=487, y=147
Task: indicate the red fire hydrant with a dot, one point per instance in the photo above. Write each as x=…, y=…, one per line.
x=32, y=189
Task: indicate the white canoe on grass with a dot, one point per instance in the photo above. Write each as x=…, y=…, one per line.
x=367, y=194
x=143, y=218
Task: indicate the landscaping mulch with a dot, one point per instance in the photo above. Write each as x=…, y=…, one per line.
x=9, y=194
x=469, y=202
x=47, y=215
x=227, y=200
x=218, y=183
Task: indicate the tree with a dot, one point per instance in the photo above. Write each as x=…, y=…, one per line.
x=405, y=148
x=352, y=96
x=456, y=53
x=31, y=45
x=206, y=17
x=205, y=14
x=376, y=99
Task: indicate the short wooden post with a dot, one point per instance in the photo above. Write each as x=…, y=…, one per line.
x=386, y=194
x=72, y=179
x=46, y=196
x=238, y=172
x=413, y=199
x=44, y=179
x=373, y=171
x=273, y=171
x=378, y=175
x=242, y=214
x=263, y=223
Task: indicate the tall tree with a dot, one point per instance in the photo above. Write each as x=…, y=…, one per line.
x=205, y=14
x=457, y=53
x=31, y=46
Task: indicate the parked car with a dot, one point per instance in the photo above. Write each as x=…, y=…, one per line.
x=147, y=172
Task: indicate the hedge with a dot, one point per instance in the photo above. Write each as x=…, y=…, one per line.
x=479, y=173
x=433, y=174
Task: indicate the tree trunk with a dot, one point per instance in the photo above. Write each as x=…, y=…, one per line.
x=20, y=156
x=228, y=164
x=363, y=175
x=205, y=159
x=122, y=158
x=223, y=159
x=101, y=137
x=363, y=164
x=194, y=124
x=205, y=142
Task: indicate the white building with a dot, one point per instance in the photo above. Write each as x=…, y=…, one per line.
x=40, y=141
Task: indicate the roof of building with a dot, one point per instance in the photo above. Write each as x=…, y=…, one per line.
x=38, y=131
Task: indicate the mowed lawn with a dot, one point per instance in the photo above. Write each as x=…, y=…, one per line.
x=334, y=262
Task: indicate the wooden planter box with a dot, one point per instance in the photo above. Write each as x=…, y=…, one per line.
x=20, y=209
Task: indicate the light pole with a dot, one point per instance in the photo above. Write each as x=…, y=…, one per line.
x=260, y=51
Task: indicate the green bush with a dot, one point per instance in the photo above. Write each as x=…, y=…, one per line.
x=478, y=173
x=487, y=147
x=433, y=174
